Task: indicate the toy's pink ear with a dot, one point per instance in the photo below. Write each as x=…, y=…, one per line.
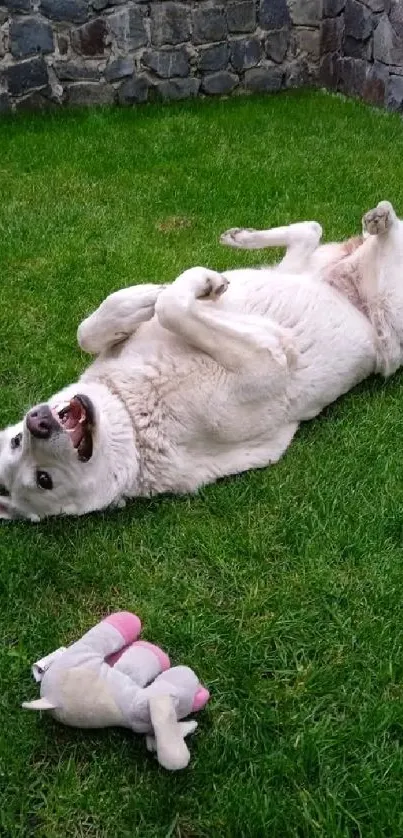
x=38, y=704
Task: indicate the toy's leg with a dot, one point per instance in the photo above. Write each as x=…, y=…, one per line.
x=111, y=635
x=142, y=662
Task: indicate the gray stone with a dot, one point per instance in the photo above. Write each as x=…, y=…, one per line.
x=375, y=5
x=90, y=94
x=273, y=14
x=352, y=76
x=170, y=23
x=74, y=71
x=5, y=104
x=128, y=28
x=133, y=91
x=329, y=70
x=168, y=63
x=90, y=39
x=2, y=45
x=307, y=41
x=396, y=17
x=30, y=35
x=297, y=74
x=17, y=5
x=241, y=16
x=305, y=12
x=26, y=75
x=264, y=79
x=332, y=31
x=63, y=44
x=39, y=100
x=98, y=5
x=356, y=49
x=209, y=24
x=388, y=46
x=119, y=68
x=375, y=84
x=276, y=45
x=214, y=58
x=358, y=20
x=74, y=11
x=394, y=99
x=3, y=15
x=178, y=88
x=219, y=84
x=331, y=8
x=245, y=53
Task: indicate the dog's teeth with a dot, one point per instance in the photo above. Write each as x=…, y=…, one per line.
x=61, y=407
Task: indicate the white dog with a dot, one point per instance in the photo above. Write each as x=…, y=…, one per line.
x=212, y=374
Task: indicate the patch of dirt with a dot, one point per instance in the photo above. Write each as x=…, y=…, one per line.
x=173, y=222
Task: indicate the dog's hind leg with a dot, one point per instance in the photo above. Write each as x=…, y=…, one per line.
x=300, y=241
x=380, y=269
x=117, y=317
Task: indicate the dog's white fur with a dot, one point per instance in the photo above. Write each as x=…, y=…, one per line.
x=212, y=374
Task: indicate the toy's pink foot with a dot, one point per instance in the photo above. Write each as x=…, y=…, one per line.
x=201, y=698
x=127, y=624
x=163, y=658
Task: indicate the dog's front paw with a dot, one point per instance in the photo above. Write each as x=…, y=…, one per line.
x=202, y=283
x=236, y=237
x=378, y=221
x=214, y=285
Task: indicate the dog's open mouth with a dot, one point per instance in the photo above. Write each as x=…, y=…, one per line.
x=77, y=418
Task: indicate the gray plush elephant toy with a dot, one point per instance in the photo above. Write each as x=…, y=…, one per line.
x=110, y=678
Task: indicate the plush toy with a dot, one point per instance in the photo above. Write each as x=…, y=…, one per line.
x=110, y=678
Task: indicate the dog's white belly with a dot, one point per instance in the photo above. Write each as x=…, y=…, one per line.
x=334, y=341
x=216, y=422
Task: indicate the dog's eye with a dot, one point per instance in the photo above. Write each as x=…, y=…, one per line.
x=44, y=480
x=16, y=442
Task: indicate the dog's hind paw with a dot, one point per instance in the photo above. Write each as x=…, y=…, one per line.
x=378, y=221
x=236, y=237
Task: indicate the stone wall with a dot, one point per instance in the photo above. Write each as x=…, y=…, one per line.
x=92, y=52
x=362, y=49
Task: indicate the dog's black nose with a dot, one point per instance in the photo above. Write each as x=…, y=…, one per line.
x=41, y=422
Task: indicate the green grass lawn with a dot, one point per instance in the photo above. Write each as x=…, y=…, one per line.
x=284, y=587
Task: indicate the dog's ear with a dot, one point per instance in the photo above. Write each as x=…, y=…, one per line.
x=4, y=438
x=38, y=704
x=9, y=438
x=7, y=510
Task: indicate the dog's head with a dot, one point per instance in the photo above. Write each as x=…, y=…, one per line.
x=63, y=458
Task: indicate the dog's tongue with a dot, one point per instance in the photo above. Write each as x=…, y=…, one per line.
x=73, y=421
x=75, y=414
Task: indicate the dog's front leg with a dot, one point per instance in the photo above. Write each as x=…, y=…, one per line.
x=118, y=317
x=235, y=341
